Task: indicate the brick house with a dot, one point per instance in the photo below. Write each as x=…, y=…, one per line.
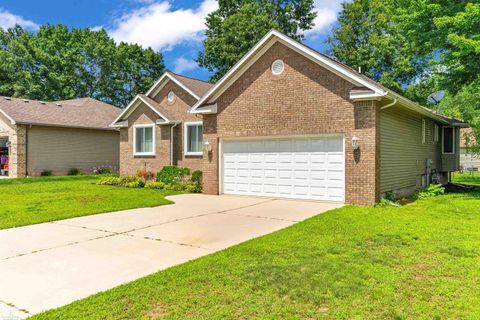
x=287, y=121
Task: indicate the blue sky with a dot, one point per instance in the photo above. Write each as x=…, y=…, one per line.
x=173, y=27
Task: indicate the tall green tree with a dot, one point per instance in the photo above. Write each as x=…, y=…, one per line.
x=57, y=63
x=416, y=47
x=238, y=25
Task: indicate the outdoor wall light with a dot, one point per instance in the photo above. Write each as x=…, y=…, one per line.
x=355, y=144
x=208, y=146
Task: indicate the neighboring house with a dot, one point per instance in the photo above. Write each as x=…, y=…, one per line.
x=287, y=121
x=57, y=136
x=468, y=161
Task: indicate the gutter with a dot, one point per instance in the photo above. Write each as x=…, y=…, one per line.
x=394, y=102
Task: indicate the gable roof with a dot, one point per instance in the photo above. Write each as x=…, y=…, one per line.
x=77, y=113
x=196, y=88
x=366, y=88
x=135, y=103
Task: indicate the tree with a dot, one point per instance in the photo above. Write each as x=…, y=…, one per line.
x=58, y=63
x=416, y=47
x=238, y=25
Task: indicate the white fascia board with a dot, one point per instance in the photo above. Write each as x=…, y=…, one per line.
x=8, y=117
x=365, y=96
x=208, y=109
x=274, y=36
x=132, y=106
x=167, y=76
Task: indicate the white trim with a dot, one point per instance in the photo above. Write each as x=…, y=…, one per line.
x=309, y=53
x=208, y=109
x=443, y=140
x=8, y=117
x=424, y=131
x=156, y=87
x=135, y=127
x=134, y=104
x=185, y=138
x=362, y=96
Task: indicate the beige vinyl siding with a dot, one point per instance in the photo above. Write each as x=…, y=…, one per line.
x=402, y=154
x=60, y=149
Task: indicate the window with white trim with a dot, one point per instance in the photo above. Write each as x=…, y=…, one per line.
x=448, y=137
x=424, y=129
x=193, y=138
x=144, y=140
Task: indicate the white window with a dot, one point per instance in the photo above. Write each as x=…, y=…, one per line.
x=423, y=131
x=448, y=140
x=144, y=140
x=436, y=133
x=193, y=139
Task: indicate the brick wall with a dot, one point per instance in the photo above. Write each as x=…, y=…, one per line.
x=305, y=99
x=130, y=164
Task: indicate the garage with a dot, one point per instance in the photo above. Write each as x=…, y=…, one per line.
x=294, y=167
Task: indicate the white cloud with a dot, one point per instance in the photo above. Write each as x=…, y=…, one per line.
x=8, y=20
x=327, y=11
x=159, y=26
x=182, y=65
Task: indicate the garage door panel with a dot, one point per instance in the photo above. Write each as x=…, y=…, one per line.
x=310, y=168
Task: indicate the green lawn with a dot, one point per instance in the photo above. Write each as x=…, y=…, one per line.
x=472, y=178
x=419, y=261
x=35, y=200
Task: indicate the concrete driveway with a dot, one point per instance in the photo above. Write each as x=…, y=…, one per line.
x=52, y=264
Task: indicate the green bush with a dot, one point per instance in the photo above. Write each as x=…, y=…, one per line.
x=155, y=185
x=103, y=170
x=135, y=184
x=46, y=173
x=73, y=172
x=110, y=181
x=432, y=190
x=172, y=174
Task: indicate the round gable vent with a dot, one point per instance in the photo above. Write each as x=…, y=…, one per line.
x=277, y=67
x=171, y=96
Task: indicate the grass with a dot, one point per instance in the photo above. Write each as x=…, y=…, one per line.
x=472, y=178
x=419, y=261
x=35, y=200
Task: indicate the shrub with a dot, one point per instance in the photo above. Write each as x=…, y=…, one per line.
x=432, y=190
x=135, y=184
x=103, y=170
x=73, y=172
x=110, y=181
x=146, y=175
x=172, y=174
x=196, y=181
x=155, y=185
x=46, y=173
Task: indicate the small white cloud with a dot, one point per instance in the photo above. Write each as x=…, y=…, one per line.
x=159, y=26
x=327, y=11
x=182, y=65
x=8, y=20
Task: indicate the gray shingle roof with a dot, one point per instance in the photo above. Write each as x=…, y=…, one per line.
x=198, y=87
x=77, y=113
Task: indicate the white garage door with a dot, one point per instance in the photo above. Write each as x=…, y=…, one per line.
x=301, y=168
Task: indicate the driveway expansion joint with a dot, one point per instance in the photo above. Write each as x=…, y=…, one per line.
x=11, y=305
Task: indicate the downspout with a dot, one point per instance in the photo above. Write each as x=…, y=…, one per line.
x=176, y=123
x=394, y=102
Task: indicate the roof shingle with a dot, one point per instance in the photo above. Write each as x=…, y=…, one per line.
x=77, y=113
